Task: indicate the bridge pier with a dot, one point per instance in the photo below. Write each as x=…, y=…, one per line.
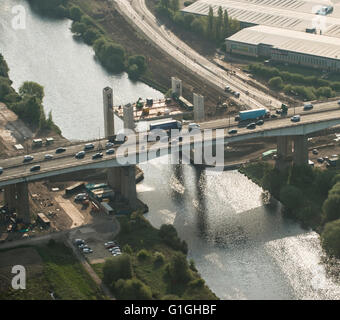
x=16, y=197
x=123, y=179
x=284, y=152
x=300, y=155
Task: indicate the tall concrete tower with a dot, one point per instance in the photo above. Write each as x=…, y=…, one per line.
x=198, y=107
x=129, y=122
x=109, y=123
x=176, y=86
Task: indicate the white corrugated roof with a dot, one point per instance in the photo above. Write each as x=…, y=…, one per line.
x=302, y=42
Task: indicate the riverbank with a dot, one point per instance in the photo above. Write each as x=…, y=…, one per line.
x=152, y=255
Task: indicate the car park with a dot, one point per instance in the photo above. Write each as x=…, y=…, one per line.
x=48, y=157
x=97, y=155
x=80, y=155
x=295, y=118
x=1, y=170
x=88, y=146
x=259, y=122
x=28, y=158
x=35, y=168
x=60, y=150
x=251, y=125
x=308, y=106
x=110, y=151
x=232, y=131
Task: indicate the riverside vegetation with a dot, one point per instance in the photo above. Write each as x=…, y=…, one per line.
x=153, y=264
x=111, y=55
x=27, y=103
x=309, y=195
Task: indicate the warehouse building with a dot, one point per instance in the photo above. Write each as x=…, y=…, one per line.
x=298, y=15
x=287, y=46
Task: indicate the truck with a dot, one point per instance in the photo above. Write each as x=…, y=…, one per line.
x=253, y=114
x=166, y=124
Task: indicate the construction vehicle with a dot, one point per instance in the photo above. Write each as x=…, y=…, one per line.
x=140, y=103
x=284, y=109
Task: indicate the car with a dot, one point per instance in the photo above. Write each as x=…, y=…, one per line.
x=28, y=158
x=87, y=250
x=325, y=159
x=251, y=125
x=237, y=118
x=88, y=146
x=237, y=94
x=79, y=241
x=232, y=131
x=193, y=126
x=315, y=151
x=113, y=248
x=80, y=155
x=35, y=168
x=48, y=156
x=320, y=160
x=60, y=150
x=273, y=116
x=109, y=145
x=110, y=151
x=1, y=170
x=227, y=89
x=115, y=254
x=109, y=243
x=278, y=111
x=97, y=155
x=295, y=118
x=259, y=122
x=80, y=196
x=308, y=106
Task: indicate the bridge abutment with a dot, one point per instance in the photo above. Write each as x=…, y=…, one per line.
x=284, y=152
x=300, y=154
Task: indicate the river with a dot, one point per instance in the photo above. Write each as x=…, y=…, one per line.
x=243, y=249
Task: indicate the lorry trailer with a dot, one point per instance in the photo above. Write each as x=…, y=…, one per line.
x=253, y=114
x=167, y=124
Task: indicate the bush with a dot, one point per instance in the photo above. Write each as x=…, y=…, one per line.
x=75, y=13
x=132, y=289
x=291, y=197
x=330, y=238
x=178, y=269
x=159, y=258
x=276, y=83
x=195, y=284
x=331, y=207
x=143, y=254
x=127, y=249
x=116, y=268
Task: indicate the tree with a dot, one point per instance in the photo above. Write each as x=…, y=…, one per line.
x=275, y=83
x=197, y=26
x=210, y=27
x=75, y=13
x=32, y=89
x=291, y=197
x=90, y=36
x=225, y=24
x=3, y=67
x=331, y=207
x=132, y=289
x=330, y=238
x=174, y=4
x=219, y=25
x=118, y=268
x=179, y=271
x=78, y=28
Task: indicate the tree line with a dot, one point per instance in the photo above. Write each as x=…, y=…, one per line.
x=306, y=87
x=112, y=56
x=211, y=27
x=27, y=103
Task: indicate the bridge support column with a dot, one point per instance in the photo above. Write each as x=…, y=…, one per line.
x=300, y=155
x=123, y=179
x=284, y=152
x=10, y=193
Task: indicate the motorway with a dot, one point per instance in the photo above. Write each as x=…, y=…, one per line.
x=139, y=15
x=15, y=168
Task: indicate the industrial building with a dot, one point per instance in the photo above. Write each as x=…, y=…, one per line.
x=298, y=15
x=287, y=46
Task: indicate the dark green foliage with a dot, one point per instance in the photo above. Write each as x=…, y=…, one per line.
x=331, y=207
x=75, y=13
x=132, y=289
x=291, y=197
x=159, y=258
x=3, y=67
x=330, y=238
x=29, y=88
x=275, y=83
x=178, y=269
x=143, y=254
x=116, y=268
x=53, y=8
x=169, y=235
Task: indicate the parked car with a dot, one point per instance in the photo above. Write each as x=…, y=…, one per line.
x=60, y=150
x=110, y=151
x=251, y=125
x=80, y=155
x=97, y=155
x=315, y=151
x=232, y=131
x=79, y=241
x=35, y=168
x=193, y=126
x=88, y=146
x=1, y=170
x=80, y=196
x=48, y=157
x=295, y=118
x=28, y=158
x=87, y=250
x=115, y=254
x=109, y=243
x=320, y=160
